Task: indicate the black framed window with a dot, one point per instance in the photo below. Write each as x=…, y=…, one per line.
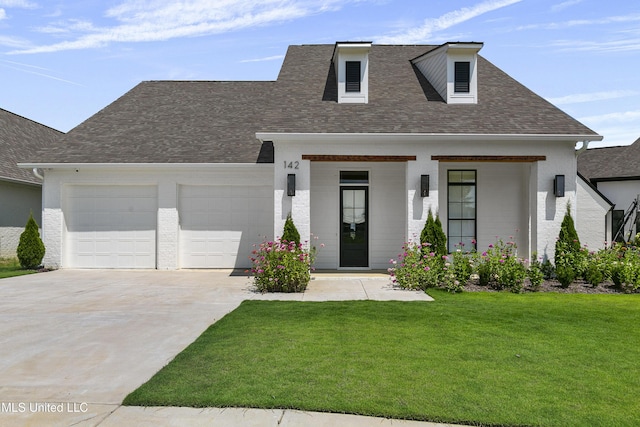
x=461, y=209
x=617, y=219
x=352, y=76
x=354, y=177
x=462, y=77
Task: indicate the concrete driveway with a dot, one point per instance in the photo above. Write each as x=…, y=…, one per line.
x=74, y=343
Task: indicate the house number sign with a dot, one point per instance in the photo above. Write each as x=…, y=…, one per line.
x=291, y=165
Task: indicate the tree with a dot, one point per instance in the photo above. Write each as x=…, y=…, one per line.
x=568, y=254
x=30, y=248
x=290, y=232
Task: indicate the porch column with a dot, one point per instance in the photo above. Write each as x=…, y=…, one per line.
x=299, y=204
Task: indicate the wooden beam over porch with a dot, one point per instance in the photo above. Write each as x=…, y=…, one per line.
x=355, y=158
x=499, y=159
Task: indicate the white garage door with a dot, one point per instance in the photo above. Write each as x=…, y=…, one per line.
x=220, y=224
x=111, y=226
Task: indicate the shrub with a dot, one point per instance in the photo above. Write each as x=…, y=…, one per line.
x=30, y=248
x=535, y=273
x=433, y=234
x=625, y=273
x=290, y=232
x=280, y=266
x=416, y=269
x=500, y=268
x=569, y=256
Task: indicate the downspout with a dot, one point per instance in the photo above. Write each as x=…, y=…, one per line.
x=37, y=174
x=585, y=145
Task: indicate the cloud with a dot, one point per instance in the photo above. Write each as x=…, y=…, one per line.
x=159, y=20
x=268, y=58
x=430, y=26
x=618, y=117
x=561, y=6
x=14, y=42
x=23, y=4
x=581, y=22
x=26, y=68
x=591, y=97
x=3, y=14
x=625, y=45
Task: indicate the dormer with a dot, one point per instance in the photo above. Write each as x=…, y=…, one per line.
x=351, y=63
x=452, y=69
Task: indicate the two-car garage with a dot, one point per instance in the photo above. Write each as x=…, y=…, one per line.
x=117, y=226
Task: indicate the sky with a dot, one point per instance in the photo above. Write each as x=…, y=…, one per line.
x=62, y=61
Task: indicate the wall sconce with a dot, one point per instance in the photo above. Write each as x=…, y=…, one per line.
x=291, y=184
x=424, y=185
x=558, y=186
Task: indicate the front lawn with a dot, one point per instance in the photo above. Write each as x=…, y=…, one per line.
x=11, y=267
x=476, y=358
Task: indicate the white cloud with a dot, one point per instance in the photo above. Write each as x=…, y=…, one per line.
x=625, y=45
x=268, y=58
x=158, y=20
x=18, y=3
x=3, y=14
x=581, y=22
x=14, y=42
x=591, y=97
x=561, y=6
x=618, y=117
x=425, y=32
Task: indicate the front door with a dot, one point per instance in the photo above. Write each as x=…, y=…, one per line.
x=354, y=227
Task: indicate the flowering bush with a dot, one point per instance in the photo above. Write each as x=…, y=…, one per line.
x=281, y=266
x=500, y=268
x=625, y=272
x=535, y=272
x=416, y=268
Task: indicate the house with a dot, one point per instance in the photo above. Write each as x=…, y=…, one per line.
x=615, y=172
x=357, y=141
x=20, y=190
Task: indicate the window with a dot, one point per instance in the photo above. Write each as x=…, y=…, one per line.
x=617, y=219
x=461, y=211
x=462, y=77
x=354, y=177
x=352, y=76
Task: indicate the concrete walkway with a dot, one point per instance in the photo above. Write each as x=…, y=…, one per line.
x=74, y=343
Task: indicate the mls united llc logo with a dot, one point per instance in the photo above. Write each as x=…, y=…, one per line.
x=31, y=407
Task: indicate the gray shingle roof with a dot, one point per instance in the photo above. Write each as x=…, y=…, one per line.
x=611, y=163
x=216, y=122
x=20, y=138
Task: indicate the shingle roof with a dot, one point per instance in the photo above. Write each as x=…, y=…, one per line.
x=611, y=163
x=19, y=140
x=216, y=122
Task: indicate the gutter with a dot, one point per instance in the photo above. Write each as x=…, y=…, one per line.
x=585, y=145
x=37, y=174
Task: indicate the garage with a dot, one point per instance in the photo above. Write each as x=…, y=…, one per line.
x=111, y=226
x=220, y=224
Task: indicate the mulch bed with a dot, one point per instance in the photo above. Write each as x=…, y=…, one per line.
x=577, y=287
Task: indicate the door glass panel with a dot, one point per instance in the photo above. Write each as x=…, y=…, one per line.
x=354, y=228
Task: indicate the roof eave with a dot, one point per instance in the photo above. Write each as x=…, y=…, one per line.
x=423, y=137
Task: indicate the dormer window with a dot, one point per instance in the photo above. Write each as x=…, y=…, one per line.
x=462, y=77
x=351, y=63
x=452, y=70
x=352, y=78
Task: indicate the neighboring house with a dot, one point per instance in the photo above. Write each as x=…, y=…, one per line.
x=615, y=172
x=358, y=141
x=20, y=190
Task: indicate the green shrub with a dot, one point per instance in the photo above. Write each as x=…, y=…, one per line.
x=433, y=234
x=280, y=266
x=569, y=256
x=535, y=273
x=30, y=248
x=625, y=273
x=290, y=232
x=499, y=267
x=416, y=269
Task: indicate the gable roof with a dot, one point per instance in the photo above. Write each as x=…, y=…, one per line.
x=217, y=122
x=20, y=138
x=611, y=163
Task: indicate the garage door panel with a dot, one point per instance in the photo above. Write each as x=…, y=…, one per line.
x=111, y=226
x=218, y=227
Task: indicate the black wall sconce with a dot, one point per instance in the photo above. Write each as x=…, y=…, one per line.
x=424, y=185
x=291, y=184
x=558, y=186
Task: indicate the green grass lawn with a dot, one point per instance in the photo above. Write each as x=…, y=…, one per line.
x=11, y=267
x=476, y=358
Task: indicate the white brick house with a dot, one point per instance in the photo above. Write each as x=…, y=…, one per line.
x=358, y=141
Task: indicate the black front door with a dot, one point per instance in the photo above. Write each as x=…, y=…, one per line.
x=354, y=227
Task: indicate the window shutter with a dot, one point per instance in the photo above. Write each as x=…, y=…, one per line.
x=352, y=76
x=462, y=77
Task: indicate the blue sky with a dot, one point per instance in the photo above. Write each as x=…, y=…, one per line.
x=61, y=61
